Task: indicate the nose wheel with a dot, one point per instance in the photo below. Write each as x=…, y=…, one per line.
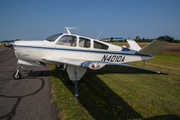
x=17, y=74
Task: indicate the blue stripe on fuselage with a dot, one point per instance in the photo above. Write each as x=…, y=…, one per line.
x=82, y=50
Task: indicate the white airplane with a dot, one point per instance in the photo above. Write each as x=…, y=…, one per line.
x=76, y=54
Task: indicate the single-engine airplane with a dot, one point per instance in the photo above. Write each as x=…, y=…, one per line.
x=76, y=54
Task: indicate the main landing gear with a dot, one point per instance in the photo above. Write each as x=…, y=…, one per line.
x=75, y=73
x=17, y=74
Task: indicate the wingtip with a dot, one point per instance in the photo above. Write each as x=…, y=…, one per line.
x=163, y=73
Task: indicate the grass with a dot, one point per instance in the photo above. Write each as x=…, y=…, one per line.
x=121, y=96
x=2, y=45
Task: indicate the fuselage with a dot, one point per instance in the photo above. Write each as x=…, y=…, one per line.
x=75, y=47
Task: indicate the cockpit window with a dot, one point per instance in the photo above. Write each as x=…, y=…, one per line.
x=67, y=40
x=99, y=45
x=53, y=37
x=83, y=42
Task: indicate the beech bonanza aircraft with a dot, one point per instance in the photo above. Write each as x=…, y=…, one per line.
x=77, y=54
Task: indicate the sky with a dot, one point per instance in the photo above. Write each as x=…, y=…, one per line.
x=38, y=19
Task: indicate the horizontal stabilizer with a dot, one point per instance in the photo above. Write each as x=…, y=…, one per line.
x=133, y=45
x=155, y=46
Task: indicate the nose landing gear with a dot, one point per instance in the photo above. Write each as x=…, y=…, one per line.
x=17, y=74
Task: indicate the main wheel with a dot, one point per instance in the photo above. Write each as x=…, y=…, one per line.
x=17, y=77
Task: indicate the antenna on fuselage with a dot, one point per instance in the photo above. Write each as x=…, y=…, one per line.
x=67, y=28
x=99, y=35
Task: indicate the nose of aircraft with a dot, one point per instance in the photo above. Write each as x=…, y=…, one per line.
x=27, y=49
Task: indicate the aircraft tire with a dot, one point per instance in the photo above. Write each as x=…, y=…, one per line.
x=17, y=77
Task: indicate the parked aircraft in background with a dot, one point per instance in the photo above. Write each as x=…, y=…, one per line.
x=76, y=54
x=9, y=44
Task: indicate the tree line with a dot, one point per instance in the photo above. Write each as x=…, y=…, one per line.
x=10, y=40
x=138, y=39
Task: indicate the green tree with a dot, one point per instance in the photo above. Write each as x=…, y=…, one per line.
x=143, y=40
x=137, y=38
x=112, y=39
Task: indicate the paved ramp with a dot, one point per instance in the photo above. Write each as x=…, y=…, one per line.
x=25, y=99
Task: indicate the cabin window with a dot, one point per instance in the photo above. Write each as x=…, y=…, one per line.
x=83, y=42
x=67, y=41
x=99, y=45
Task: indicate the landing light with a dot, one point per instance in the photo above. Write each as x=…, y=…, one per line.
x=92, y=66
x=96, y=65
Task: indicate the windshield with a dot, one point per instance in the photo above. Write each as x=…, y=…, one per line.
x=53, y=37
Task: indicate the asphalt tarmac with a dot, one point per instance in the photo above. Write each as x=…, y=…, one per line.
x=25, y=99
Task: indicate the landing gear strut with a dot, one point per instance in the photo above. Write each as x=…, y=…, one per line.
x=17, y=74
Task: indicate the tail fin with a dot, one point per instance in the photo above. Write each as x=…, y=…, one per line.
x=156, y=45
x=133, y=45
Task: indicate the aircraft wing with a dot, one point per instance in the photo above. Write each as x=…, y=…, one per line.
x=69, y=61
x=102, y=67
